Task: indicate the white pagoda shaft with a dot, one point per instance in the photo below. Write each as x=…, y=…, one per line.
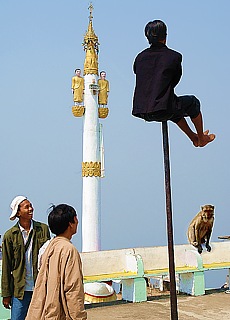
x=91, y=201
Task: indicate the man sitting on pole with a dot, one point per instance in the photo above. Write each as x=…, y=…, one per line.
x=158, y=70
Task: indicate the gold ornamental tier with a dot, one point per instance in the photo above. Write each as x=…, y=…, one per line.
x=103, y=112
x=91, y=169
x=78, y=111
x=90, y=45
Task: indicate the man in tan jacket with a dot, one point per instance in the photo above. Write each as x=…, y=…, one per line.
x=59, y=292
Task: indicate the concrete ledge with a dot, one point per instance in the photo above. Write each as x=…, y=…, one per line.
x=111, y=276
x=133, y=265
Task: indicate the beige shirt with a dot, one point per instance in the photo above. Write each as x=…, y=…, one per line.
x=58, y=292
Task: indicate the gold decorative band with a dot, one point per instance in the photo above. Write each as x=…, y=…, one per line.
x=78, y=111
x=103, y=112
x=90, y=169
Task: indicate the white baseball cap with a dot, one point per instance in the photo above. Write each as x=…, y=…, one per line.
x=14, y=206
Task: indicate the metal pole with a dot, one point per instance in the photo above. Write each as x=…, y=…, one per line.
x=173, y=296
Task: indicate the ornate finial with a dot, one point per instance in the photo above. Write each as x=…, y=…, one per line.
x=91, y=11
x=90, y=45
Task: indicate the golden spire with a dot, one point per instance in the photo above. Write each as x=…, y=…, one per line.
x=90, y=45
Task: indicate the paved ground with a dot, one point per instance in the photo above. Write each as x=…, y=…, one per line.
x=212, y=306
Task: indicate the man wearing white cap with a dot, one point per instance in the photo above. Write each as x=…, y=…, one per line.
x=20, y=249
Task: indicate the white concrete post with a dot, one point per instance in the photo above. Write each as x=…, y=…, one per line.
x=91, y=202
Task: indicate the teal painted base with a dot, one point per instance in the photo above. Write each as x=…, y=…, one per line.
x=199, y=283
x=134, y=290
x=192, y=283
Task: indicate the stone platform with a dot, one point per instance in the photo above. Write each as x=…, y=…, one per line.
x=212, y=306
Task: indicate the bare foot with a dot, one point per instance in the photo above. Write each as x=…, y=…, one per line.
x=194, y=138
x=195, y=141
x=206, y=138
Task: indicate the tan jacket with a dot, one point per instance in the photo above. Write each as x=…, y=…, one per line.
x=59, y=292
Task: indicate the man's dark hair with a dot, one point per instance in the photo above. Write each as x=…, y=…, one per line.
x=60, y=217
x=155, y=31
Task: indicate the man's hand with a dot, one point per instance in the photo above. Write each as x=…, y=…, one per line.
x=6, y=301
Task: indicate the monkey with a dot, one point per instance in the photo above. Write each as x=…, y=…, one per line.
x=200, y=228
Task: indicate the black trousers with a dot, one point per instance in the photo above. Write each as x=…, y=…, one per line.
x=183, y=106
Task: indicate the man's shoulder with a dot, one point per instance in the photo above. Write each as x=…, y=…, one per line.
x=174, y=52
x=163, y=50
x=63, y=244
x=38, y=224
x=12, y=230
x=143, y=53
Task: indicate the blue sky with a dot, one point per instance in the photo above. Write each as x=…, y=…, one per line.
x=41, y=142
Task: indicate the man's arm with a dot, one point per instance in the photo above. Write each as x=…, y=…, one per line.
x=178, y=72
x=47, y=233
x=73, y=288
x=7, y=260
x=134, y=66
x=6, y=301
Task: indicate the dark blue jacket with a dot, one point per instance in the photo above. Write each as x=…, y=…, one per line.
x=158, y=70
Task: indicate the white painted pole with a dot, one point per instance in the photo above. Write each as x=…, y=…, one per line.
x=91, y=198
